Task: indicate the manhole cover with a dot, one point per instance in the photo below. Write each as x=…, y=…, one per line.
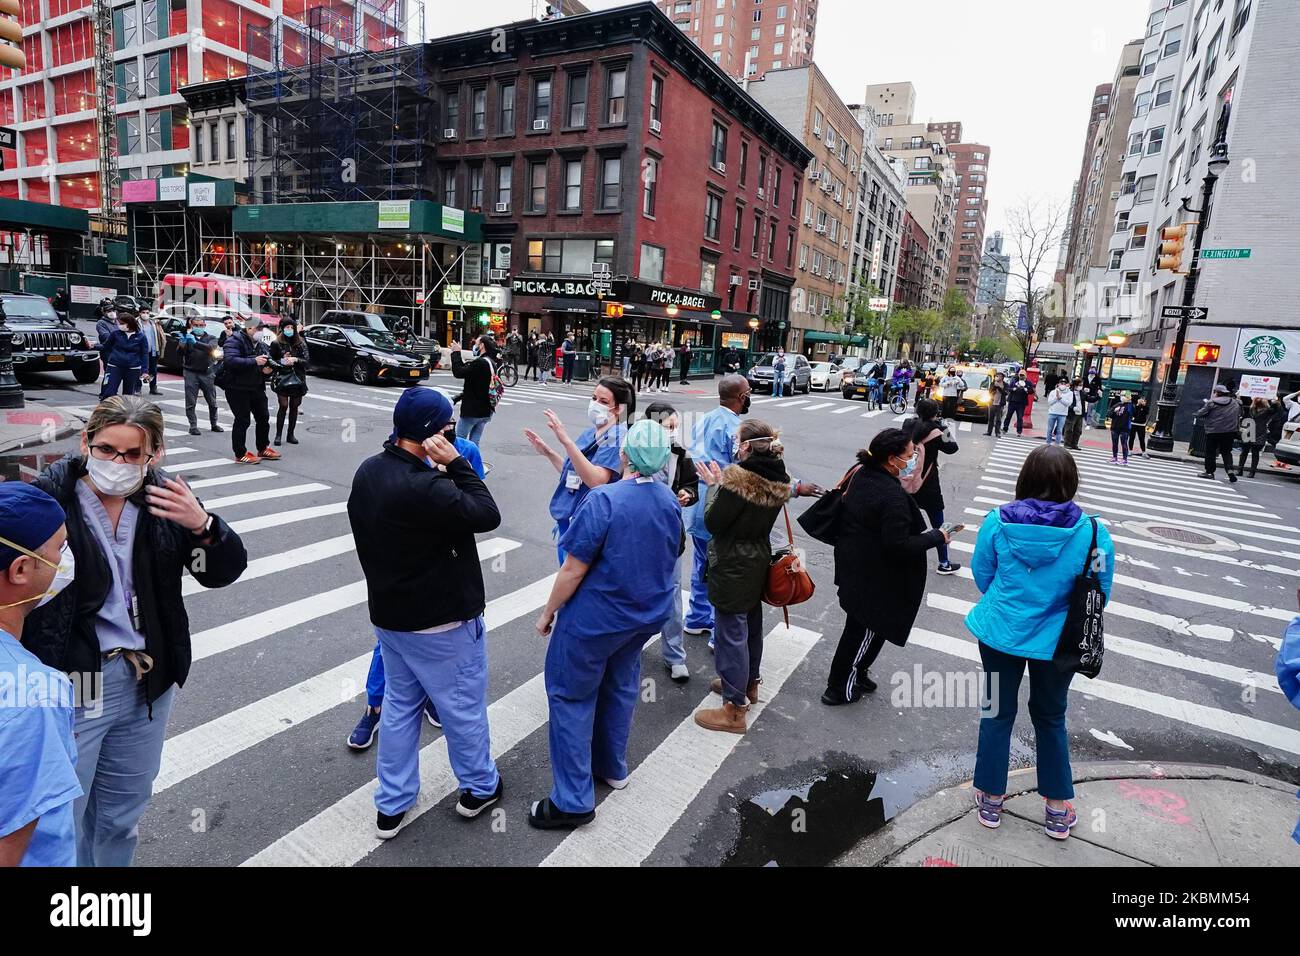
x=1184, y=537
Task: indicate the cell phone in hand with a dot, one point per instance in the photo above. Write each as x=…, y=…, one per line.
x=950, y=529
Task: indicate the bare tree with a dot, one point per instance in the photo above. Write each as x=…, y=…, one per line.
x=1034, y=233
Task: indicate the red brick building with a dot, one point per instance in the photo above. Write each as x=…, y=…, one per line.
x=971, y=164
x=913, y=263
x=610, y=141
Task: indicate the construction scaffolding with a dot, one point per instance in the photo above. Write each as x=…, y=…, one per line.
x=345, y=113
x=172, y=238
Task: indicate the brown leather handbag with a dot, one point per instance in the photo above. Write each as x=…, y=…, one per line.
x=787, y=581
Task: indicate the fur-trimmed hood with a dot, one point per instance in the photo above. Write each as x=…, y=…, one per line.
x=754, y=488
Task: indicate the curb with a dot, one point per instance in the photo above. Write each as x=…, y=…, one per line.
x=952, y=803
x=71, y=426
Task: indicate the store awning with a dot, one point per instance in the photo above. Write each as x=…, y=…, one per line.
x=577, y=306
x=813, y=335
x=739, y=321
x=688, y=316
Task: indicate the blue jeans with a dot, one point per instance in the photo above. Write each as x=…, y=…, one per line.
x=1048, y=690
x=738, y=652
x=472, y=428
x=936, y=519
x=1055, y=428
x=700, y=614
x=1019, y=412
x=591, y=685
x=671, y=635
x=450, y=669
x=119, y=751
x=778, y=385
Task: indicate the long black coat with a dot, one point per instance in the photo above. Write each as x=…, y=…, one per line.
x=880, y=560
x=62, y=633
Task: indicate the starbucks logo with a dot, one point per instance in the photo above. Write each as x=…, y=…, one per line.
x=1264, y=351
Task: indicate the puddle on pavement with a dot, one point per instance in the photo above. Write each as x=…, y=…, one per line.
x=822, y=814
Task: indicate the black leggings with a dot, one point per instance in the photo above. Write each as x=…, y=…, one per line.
x=1254, y=458
x=289, y=403
x=638, y=377
x=532, y=367
x=857, y=650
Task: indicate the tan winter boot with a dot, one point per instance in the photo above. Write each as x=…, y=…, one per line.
x=728, y=717
x=751, y=691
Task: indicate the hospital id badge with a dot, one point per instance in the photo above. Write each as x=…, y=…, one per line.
x=572, y=482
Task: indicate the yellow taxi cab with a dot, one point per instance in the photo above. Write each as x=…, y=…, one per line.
x=974, y=401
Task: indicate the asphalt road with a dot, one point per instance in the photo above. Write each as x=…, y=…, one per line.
x=256, y=769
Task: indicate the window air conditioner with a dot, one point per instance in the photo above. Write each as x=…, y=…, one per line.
x=821, y=230
x=812, y=171
x=735, y=280
x=1114, y=194
x=449, y=134
x=760, y=192
x=722, y=167
x=541, y=124
x=503, y=207
x=753, y=285
x=808, y=221
x=656, y=126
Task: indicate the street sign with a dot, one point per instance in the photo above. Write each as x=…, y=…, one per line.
x=8, y=137
x=878, y=303
x=1194, y=313
x=1225, y=253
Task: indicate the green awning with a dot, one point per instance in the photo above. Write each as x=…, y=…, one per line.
x=414, y=218
x=22, y=213
x=816, y=336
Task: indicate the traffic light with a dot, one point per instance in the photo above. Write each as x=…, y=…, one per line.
x=1205, y=353
x=613, y=310
x=12, y=32
x=1172, y=240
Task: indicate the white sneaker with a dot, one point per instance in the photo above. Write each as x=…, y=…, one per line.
x=679, y=673
x=620, y=784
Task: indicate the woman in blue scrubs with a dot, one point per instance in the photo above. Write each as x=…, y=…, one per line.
x=612, y=595
x=592, y=460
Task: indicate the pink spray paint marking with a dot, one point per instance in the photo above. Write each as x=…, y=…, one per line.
x=1161, y=804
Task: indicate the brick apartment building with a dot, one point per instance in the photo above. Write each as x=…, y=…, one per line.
x=746, y=38
x=914, y=265
x=609, y=140
x=970, y=163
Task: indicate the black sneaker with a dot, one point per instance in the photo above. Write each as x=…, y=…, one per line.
x=194, y=430
x=949, y=568
x=470, y=806
x=545, y=815
x=835, y=698
x=386, y=826
x=217, y=428
x=1232, y=479
x=862, y=682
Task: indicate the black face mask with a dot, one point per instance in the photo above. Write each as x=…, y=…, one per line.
x=449, y=433
x=744, y=406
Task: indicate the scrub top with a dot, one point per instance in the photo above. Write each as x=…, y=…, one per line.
x=713, y=440
x=469, y=451
x=629, y=533
x=38, y=756
x=571, y=492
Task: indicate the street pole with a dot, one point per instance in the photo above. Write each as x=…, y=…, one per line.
x=1162, y=439
x=11, y=391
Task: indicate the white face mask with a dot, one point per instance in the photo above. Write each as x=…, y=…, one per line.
x=597, y=413
x=64, y=572
x=115, y=478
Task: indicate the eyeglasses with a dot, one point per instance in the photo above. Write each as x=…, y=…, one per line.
x=135, y=456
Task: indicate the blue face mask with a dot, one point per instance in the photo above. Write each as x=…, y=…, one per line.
x=909, y=467
x=288, y=333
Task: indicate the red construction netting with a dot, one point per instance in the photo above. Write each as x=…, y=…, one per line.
x=34, y=148
x=9, y=189
x=79, y=192
x=219, y=67
x=32, y=50
x=71, y=42
x=6, y=107
x=180, y=70
x=77, y=142
x=38, y=190
x=380, y=34
x=226, y=22
x=293, y=47
x=73, y=92
x=57, y=7
x=177, y=22
x=33, y=101
x=180, y=129
x=30, y=12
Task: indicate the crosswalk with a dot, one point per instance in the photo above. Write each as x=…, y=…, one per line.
x=1207, y=666
x=844, y=406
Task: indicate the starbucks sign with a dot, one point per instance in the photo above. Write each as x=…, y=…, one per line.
x=1268, y=350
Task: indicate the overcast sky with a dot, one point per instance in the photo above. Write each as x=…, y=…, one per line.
x=1019, y=74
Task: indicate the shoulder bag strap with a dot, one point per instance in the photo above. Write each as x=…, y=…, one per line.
x=1092, y=548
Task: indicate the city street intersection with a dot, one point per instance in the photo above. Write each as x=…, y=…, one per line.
x=256, y=770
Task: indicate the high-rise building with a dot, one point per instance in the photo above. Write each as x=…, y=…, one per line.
x=950, y=130
x=932, y=189
x=878, y=224
x=1096, y=193
x=806, y=104
x=157, y=48
x=971, y=166
x=748, y=37
x=995, y=267
x=1215, y=81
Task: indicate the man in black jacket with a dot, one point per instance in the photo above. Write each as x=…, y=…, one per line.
x=414, y=509
x=249, y=367
x=1018, y=392
x=196, y=352
x=476, y=403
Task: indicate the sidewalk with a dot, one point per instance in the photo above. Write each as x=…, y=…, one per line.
x=1130, y=814
x=28, y=427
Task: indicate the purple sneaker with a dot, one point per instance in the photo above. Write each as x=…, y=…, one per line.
x=1058, y=822
x=989, y=810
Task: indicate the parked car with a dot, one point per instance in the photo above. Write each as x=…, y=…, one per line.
x=826, y=376
x=798, y=373
x=355, y=318
x=172, y=326
x=42, y=342
x=365, y=355
x=134, y=303
x=1288, y=449
x=856, y=385
x=181, y=311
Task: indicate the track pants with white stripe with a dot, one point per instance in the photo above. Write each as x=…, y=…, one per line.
x=858, y=649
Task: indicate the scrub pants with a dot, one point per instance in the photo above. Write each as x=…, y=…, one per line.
x=119, y=751
x=472, y=428
x=738, y=652
x=126, y=377
x=450, y=669
x=1048, y=690
x=592, y=685
x=700, y=614
x=1056, y=429
x=671, y=635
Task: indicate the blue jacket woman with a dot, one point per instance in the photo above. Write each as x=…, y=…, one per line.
x=1287, y=667
x=1027, y=557
x=126, y=356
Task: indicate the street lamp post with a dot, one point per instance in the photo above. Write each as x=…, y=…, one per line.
x=1162, y=439
x=11, y=390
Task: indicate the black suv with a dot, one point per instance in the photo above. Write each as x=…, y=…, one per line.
x=42, y=342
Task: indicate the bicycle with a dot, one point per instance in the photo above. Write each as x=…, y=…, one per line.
x=508, y=372
x=874, y=394
x=897, y=400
